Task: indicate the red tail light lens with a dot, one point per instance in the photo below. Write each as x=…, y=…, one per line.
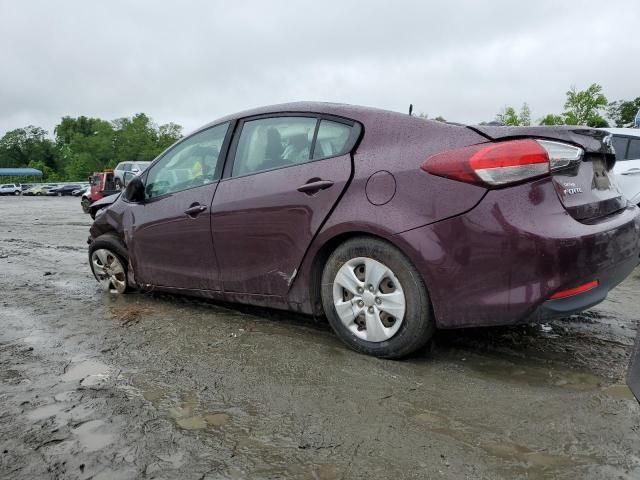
x=576, y=290
x=494, y=164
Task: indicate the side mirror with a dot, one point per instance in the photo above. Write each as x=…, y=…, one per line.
x=135, y=190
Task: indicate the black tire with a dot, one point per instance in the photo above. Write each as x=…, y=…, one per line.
x=417, y=326
x=118, y=184
x=16, y=193
x=85, y=205
x=113, y=244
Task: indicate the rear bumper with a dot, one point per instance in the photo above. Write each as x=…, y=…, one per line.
x=563, y=307
x=501, y=262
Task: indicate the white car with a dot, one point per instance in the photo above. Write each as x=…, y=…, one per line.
x=10, y=189
x=134, y=167
x=626, y=142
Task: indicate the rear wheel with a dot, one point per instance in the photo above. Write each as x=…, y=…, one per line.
x=109, y=260
x=375, y=299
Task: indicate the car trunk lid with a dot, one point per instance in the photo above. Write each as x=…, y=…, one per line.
x=589, y=190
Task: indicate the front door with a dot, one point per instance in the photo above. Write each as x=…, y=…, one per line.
x=278, y=194
x=171, y=231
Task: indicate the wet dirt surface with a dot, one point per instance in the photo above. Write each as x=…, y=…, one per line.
x=96, y=385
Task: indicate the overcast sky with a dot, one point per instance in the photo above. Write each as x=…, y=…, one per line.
x=190, y=62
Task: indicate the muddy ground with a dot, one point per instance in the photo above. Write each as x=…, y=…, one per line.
x=95, y=385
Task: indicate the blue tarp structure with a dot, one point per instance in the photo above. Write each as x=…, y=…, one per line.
x=20, y=172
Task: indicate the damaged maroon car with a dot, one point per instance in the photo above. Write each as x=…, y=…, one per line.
x=390, y=225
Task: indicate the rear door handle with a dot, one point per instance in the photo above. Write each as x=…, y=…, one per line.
x=314, y=186
x=195, y=210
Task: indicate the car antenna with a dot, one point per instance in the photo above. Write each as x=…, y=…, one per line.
x=410, y=109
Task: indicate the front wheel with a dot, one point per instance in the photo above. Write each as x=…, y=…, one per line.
x=16, y=192
x=109, y=260
x=85, y=205
x=375, y=299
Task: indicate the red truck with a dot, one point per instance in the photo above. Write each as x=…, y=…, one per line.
x=102, y=185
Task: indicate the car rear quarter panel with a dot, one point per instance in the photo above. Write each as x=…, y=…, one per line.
x=399, y=144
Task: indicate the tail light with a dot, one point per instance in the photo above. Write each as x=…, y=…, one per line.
x=576, y=290
x=503, y=163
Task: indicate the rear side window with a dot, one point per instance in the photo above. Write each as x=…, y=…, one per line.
x=332, y=140
x=634, y=149
x=270, y=143
x=620, y=146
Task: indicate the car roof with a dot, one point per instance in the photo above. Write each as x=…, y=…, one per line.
x=354, y=112
x=629, y=132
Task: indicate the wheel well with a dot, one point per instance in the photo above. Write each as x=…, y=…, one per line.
x=320, y=260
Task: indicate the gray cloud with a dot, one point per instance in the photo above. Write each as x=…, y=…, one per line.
x=191, y=62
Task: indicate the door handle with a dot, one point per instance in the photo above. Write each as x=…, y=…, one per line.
x=195, y=210
x=314, y=185
x=632, y=171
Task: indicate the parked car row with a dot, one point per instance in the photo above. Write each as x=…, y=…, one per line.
x=48, y=189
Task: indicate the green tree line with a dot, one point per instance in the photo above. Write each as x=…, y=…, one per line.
x=588, y=107
x=83, y=145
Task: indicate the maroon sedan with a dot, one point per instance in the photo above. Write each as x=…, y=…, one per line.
x=390, y=225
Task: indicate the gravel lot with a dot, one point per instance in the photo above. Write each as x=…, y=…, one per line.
x=95, y=385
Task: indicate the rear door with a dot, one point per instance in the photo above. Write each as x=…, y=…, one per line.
x=281, y=185
x=171, y=233
x=627, y=167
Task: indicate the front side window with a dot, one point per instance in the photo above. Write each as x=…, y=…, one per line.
x=634, y=149
x=191, y=163
x=620, y=146
x=332, y=140
x=270, y=143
